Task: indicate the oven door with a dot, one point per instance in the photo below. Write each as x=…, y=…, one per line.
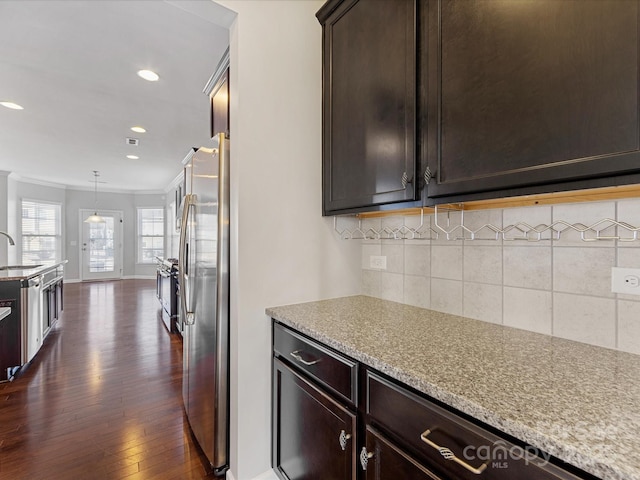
x=165, y=297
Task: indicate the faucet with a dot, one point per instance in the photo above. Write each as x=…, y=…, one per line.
x=11, y=242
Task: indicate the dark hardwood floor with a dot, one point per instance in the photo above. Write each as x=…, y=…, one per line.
x=102, y=399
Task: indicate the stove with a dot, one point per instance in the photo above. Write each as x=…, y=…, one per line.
x=167, y=292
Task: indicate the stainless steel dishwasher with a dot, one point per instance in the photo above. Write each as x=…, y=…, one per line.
x=31, y=317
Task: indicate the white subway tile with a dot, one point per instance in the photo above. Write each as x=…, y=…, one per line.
x=392, y=286
x=483, y=264
x=585, y=319
x=483, y=302
x=528, y=309
x=395, y=255
x=371, y=283
x=446, y=262
x=528, y=267
x=446, y=296
x=417, y=291
x=417, y=260
x=585, y=271
x=629, y=326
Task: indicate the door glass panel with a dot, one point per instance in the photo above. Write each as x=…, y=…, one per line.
x=101, y=246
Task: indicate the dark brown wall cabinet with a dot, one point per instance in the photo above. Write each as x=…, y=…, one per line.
x=479, y=98
x=220, y=106
x=369, y=103
x=381, y=430
x=528, y=93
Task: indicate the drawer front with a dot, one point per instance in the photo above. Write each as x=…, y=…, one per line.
x=332, y=370
x=449, y=444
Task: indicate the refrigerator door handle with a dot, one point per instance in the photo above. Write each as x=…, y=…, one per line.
x=183, y=259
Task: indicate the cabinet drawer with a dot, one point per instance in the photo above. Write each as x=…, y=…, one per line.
x=449, y=444
x=334, y=371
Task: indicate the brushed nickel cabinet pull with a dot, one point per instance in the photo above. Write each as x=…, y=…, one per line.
x=405, y=180
x=343, y=439
x=364, y=457
x=302, y=360
x=449, y=455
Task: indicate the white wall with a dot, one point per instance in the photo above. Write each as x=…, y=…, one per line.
x=4, y=224
x=13, y=191
x=75, y=200
x=283, y=251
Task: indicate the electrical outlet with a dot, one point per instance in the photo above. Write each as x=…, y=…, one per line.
x=625, y=280
x=378, y=262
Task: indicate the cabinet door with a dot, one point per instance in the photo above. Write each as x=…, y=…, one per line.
x=307, y=430
x=220, y=106
x=530, y=93
x=60, y=297
x=382, y=460
x=369, y=68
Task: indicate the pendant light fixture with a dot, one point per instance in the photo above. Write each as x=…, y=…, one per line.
x=95, y=218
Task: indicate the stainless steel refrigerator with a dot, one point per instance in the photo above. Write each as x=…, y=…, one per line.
x=204, y=292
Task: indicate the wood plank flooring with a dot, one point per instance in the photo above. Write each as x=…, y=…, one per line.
x=103, y=397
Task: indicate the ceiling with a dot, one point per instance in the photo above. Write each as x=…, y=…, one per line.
x=72, y=66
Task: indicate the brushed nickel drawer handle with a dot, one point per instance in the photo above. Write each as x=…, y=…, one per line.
x=302, y=360
x=449, y=455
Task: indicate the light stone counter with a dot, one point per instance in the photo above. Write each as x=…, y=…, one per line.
x=577, y=402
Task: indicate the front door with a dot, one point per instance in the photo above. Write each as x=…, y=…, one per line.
x=101, y=247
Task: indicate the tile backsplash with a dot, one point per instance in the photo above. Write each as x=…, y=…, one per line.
x=559, y=287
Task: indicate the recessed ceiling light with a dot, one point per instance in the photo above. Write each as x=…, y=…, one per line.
x=12, y=106
x=149, y=75
x=133, y=157
x=138, y=129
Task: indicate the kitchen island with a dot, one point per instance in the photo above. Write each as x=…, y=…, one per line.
x=574, y=401
x=34, y=295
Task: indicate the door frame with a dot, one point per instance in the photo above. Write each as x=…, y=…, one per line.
x=119, y=262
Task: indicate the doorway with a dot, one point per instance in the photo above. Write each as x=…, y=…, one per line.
x=101, y=246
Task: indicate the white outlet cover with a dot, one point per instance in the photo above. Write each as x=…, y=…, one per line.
x=378, y=262
x=625, y=280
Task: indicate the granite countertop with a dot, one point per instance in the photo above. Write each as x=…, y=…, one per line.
x=578, y=402
x=22, y=273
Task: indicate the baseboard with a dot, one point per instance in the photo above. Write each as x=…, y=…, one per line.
x=268, y=475
x=127, y=277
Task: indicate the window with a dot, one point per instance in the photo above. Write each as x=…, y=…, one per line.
x=150, y=234
x=41, y=233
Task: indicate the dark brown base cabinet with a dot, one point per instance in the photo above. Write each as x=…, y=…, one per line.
x=309, y=426
x=391, y=433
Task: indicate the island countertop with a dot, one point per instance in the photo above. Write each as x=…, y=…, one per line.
x=578, y=402
x=28, y=272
